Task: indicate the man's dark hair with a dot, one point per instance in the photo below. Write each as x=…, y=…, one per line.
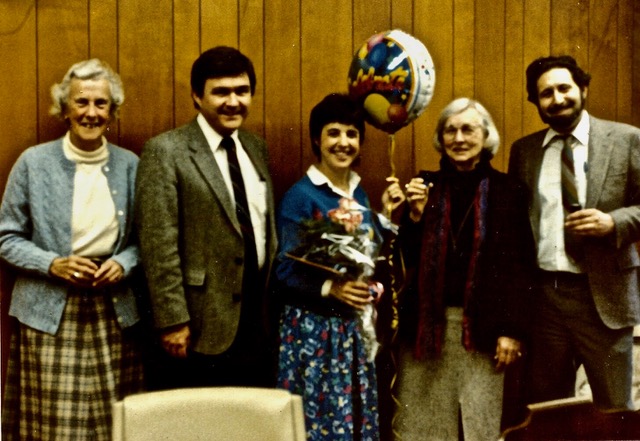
x=220, y=61
x=542, y=65
x=335, y=108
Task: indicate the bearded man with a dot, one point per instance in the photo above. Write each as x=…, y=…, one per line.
x=583, y=179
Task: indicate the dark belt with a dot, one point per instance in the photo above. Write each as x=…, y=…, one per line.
x=87, y=290
x=560, y=278
x=99, y=260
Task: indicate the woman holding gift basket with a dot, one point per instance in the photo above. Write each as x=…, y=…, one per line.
x=329, y=240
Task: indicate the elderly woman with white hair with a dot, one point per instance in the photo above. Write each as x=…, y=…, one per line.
x=66, y=228
x=469, y=249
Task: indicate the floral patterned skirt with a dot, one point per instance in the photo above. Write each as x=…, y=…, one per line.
x=323, y=359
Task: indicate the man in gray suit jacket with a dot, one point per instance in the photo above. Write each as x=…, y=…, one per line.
x=206, y=262
x=589, y=298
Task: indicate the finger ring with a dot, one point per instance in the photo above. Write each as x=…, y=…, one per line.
x=76, y=274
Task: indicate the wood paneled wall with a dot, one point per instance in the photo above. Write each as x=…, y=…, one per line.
x=302, y=51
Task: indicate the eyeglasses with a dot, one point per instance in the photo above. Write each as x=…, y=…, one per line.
x=468, y=130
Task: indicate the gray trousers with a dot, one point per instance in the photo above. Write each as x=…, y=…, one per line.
x=568, y=332
x=583, y=389
x=437, y=393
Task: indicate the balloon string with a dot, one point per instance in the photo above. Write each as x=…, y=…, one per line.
x=394, y=304
x=392, y=149
x=397, y=409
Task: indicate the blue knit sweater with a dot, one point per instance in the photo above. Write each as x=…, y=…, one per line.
x=35, y=228
x=301, y=283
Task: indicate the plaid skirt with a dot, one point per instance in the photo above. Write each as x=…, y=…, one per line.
x=62, y=386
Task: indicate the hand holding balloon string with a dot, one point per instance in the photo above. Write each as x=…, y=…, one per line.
x=392, y=197
x=417, y=196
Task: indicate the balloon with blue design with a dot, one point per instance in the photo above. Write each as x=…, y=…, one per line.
x=393, y=76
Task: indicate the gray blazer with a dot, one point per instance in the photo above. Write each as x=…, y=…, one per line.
x=35, y=228
x=613, y=186
x=190, y=240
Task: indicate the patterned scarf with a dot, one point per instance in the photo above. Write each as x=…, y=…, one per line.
x=431, y=272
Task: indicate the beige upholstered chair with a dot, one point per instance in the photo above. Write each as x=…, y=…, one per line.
x=218, y=413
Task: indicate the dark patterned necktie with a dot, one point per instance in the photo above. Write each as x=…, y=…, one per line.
x=242, y=206
x=570, y=201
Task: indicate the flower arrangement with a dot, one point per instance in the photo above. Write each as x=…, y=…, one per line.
x=341, y=245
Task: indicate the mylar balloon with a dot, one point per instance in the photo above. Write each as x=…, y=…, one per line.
x=393, y=76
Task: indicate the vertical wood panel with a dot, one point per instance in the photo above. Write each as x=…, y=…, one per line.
x=537, y=44
x=186, y=44
x=251, y=43
x=62, y=39
x=282, y=91
x=489, y=65
x=103, y=31
x=603, y=61
x=433, y=26
x=218, y=23
x=19, y=116
x=18, y=92
x=402, y=18
x=464, y=62
x=513, y=75
x=326, y=55
x=146, y=69
x=369, y=18
x=570, y=29
x=103, y=44
x=624, y=53
x=402, y=15
x=590, y=30
x=69, y=30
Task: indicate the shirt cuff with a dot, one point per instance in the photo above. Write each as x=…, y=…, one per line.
x=326, y=288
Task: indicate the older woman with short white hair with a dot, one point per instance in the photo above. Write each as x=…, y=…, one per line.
x=66, y=227
x=467, y=241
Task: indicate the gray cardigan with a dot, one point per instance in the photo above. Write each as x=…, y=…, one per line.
x=35, y=228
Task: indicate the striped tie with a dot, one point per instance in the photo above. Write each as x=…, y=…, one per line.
x=570, y=201
x=242, y=206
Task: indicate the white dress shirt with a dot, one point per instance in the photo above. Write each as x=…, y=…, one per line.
x=551, y=252
x=255, y=187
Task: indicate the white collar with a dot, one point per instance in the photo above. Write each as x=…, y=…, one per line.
x=75, y=154
x=318, y=178
x=213, y=138
x=581, y=132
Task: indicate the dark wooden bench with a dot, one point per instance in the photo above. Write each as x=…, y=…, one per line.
x=574, y=419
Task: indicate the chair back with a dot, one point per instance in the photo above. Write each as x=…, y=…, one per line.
x=574, y=418
x=214, y=413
